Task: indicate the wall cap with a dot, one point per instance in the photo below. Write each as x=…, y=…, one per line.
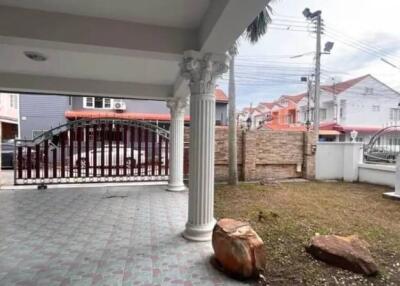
x=378, y=167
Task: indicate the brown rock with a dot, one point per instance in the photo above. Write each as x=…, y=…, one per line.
x=349, y=253
x=238, y=249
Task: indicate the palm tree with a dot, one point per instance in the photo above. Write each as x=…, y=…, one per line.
x=253, y=33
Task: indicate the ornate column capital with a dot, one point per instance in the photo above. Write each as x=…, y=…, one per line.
x=202, y=70
x=178, y=105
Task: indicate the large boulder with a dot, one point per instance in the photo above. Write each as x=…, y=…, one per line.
x=239, y=251
x=348, y=252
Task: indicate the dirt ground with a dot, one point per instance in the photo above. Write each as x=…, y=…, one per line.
x=287, y=215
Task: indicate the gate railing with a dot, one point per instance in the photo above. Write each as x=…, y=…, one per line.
x=384, y=146
x=100, y=150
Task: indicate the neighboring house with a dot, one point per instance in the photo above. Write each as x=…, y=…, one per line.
x=250, y=118
x=40, y=113
x=37, y=115
x=279, y=113
x=362, y=104
x=284, y=111
x=8, y=116
x=221, y=107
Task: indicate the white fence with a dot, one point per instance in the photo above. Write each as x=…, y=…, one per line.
x=343, y=161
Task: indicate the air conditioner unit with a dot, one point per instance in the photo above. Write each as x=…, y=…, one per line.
x=119, y=105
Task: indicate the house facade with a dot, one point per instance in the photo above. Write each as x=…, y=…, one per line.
x=362, y=104
x=34, y=108
x=9, y=116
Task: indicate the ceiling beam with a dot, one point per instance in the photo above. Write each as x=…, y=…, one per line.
x=13, y=82
x=61, y=29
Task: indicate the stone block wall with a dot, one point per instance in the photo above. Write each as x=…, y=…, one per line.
x=265, y=154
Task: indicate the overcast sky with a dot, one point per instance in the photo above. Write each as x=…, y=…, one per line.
x=363, y=31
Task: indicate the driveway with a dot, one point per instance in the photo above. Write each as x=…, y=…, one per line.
x=100, y=236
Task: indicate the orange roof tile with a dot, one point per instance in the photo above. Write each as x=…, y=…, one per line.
x=296, y=98
x=342, y=86
x=268, y=104
x=220, y=95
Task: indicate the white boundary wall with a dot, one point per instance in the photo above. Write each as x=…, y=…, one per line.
x=377, y=174
x=343, y=161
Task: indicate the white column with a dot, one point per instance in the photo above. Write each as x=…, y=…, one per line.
x=177, y=108
x=202, y=71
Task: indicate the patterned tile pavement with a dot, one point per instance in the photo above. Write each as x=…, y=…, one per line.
x=100, y=236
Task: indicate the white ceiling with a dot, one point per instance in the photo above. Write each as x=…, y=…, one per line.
x=172, y=13
x=73, y=64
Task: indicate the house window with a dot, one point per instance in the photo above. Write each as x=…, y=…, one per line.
x=107, y=103
x=322, y=114
x=88, y=102
x=97, y=102
x=369, y=90
x=376, y=108
x=13, y=100
x=395, y=114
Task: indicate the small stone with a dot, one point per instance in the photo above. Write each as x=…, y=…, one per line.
x=349, y=253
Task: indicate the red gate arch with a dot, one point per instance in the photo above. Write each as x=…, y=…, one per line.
x=100, y=150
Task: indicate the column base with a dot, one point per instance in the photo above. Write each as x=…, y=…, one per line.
x=176, y=188
x=392, y=195
x=199, y=233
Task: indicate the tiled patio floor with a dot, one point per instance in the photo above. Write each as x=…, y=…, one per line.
x=87, y=237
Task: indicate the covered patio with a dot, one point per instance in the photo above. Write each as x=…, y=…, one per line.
x=100, y=236
x=171, y=51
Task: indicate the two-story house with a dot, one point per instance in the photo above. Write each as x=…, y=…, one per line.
x=38, y=115
x=362, y=104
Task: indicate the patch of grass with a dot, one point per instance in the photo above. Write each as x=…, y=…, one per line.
x=288, y=215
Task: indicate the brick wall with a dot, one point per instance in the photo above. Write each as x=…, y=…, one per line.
x=264, y=154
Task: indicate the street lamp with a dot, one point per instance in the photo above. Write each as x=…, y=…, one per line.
x=311, y=16
x=248, y=122
x=353, y=135
x=328, y=47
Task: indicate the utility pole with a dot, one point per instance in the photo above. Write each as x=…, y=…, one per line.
x=317, y=76
x=308, y=122
x=315, y=17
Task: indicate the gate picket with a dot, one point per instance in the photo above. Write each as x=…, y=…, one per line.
x=63, y=136
x=29, y=162
x=46, y=158
x=71, y=152
x=37, y=161
x=54, y=163
x=125, y=134
x=133, y=130
x=146, y=152
x=19, y=160
x=103, y=132
x=153, y=153
x=94, y=150
x=87, y=158
x=110, y=141
x=140, y=151
x=117, y=138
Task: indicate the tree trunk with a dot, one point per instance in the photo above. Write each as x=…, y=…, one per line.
x=233, y=173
